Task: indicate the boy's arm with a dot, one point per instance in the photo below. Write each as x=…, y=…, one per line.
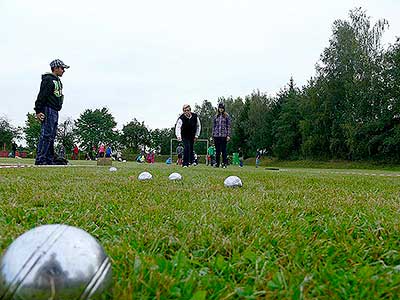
x=46, y=89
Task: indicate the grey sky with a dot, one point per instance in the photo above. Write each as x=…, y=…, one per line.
x=144, y=59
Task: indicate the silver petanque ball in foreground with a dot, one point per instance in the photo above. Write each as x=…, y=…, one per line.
x=55, y=262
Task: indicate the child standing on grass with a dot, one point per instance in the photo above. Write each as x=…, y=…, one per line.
x=258, y=158
x=240, y=154
x=75, y=152
x=102, y=150
x=108, y=151
x=179, y=151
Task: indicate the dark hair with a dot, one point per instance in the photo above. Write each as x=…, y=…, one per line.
x=224, y=113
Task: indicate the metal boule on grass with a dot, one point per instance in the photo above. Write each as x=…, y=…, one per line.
x=233, y=181
x=145, y=176
x=175, y=176
x=55, y=262
x=113, y=169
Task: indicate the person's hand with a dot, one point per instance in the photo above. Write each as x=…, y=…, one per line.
x=195, y=138
x=179, y=139
x=40, y=116
x=228, y=138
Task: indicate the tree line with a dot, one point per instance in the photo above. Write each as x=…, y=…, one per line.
x=350, y=109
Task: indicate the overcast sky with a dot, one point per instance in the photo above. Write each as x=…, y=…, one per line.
x=144, y=59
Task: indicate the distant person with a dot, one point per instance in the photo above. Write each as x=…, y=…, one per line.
x=148, y=159
x=48, y=103
x=75, y=152
x=258, y=158
x=179, y=152
x=108, y=151
x=102, y=150
x=119, y=155
x=187, y=129
x=211, y=155
x=93, y=153
x=61, y=151
x=221, y=134
x=241, y=158
x=14, y=150
x=152, y=157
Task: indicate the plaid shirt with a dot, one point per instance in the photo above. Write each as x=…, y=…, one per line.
x=222, y=126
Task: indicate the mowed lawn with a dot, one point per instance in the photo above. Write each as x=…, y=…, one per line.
x=287, y=234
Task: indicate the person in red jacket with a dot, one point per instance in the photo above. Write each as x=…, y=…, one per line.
x=75, y=152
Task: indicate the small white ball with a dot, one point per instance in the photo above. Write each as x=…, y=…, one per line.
x=233, y=181
x=113, y=169
x=175, y=176
x=145, y=176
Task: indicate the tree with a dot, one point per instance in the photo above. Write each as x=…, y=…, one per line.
x=234, y=108
x=349, y=75
x=66, y=134
x=8, y=133
x=32, y=131
x=206, y=113
x=286, y=126
x=260, y=119
x=95, y=127
x=135, y=135
x=390, y=135
x=161, y=138
x=240, y=137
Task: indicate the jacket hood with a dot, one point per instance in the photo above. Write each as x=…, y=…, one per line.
x=49, y=76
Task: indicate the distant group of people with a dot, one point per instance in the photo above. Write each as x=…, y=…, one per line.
x=103, y=151
x=148, y=157
x=93, y=155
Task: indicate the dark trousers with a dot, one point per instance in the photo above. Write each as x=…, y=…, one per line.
x=220, y=147
x=188, y=154
x=48, y=131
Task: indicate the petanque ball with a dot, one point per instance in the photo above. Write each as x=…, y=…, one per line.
x=55, y=262
x=233, y=181
x=175, y=176
x=145, y=176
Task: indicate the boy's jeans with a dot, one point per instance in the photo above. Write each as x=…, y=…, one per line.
x=45, y=149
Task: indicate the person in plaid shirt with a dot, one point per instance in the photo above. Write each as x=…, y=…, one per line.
x=221, y=134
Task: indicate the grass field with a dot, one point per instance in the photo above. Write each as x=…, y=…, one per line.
x=287, y=234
